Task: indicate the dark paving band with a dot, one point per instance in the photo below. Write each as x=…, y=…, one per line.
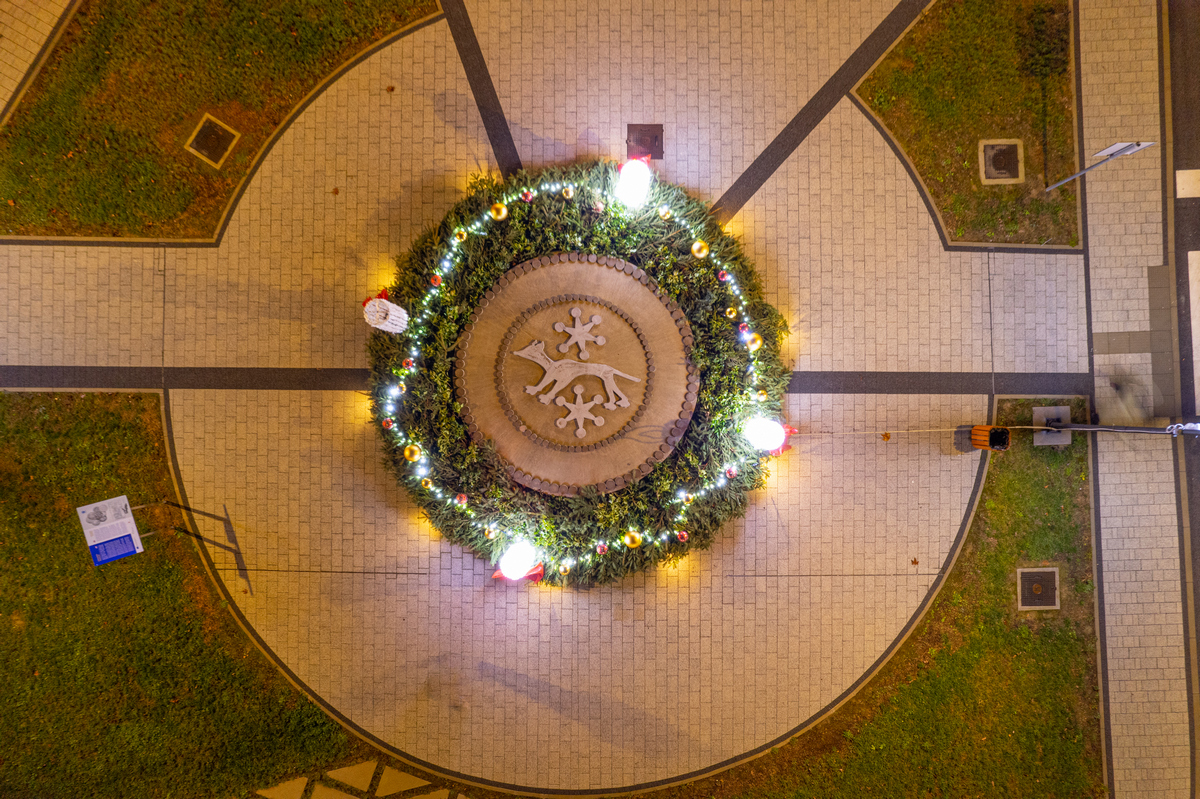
x=490, y=110
x=816, y=109
x=252, y=379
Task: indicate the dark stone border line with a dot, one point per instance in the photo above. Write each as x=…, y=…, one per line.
x=1183, y=31
x=1179, y=77
x=817, y=108
x=1042, y=384
x=259, y=158
x=488, y=102
x=177, y=377
x=212, y=568
x=934, y=214
x=39, y=60
x=287, y=379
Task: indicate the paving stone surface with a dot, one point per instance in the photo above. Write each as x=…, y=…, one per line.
x=24, y=26
x=667, y=672
x=1119, y=56
x=1147, y=679
x=285, y=286
x=721, y=78
x=406, y=634
x=93, y=306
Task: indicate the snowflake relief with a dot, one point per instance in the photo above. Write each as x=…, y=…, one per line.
x=580, y=334
x=579, y=412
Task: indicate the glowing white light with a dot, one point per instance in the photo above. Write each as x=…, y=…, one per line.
x=634, y=185
x=518, y=559
x=763, y=433
x=394, y=391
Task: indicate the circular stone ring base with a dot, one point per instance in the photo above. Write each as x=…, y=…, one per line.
x=577, y=367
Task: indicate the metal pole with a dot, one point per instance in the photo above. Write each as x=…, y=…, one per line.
x=1169, y=430
x=1126, y=149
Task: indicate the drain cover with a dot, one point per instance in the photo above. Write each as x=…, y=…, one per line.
x=644, y=140
x=1001, y=161
x=1037, y=589
x=212, y=140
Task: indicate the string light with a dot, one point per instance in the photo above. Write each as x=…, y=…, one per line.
x=637, y=178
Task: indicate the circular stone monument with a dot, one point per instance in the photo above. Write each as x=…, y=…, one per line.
x=577, y=368
x=576, y=374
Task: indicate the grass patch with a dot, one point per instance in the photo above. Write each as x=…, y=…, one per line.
x=131, y=678
x=980, y=700
x=95, y=148
x=979, y=69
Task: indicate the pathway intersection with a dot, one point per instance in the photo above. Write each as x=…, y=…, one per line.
x=258, y=345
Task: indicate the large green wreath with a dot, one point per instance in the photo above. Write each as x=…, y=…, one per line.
x=464, y=487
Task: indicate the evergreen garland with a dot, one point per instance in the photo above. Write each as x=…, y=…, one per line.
x=463, y=486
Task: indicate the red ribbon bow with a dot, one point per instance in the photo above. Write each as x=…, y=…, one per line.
x=383, y=295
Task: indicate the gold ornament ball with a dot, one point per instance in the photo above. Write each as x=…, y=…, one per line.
x=633, y=539
x=412, y=453
x=426, y=483
x=700, y=248
x=491, y=534
x=568, y=192
x=664, y=212
x=688, y=499
x=460, y=234
x=754, y=342
x=731, y=312
x=762, y=396
x=499, y=212
x=564, y=570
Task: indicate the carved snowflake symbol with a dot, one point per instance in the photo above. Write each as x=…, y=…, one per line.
x=579, y=412
x=580, y=334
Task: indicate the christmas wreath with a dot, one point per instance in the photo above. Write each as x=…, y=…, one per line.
x=465, y=487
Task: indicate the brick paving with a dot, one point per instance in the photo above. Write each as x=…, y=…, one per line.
x=678, y=669
x=667, y=672
x=1147, y=682
x=24, y=26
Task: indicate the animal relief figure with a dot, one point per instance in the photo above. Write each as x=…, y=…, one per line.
x=560, y=373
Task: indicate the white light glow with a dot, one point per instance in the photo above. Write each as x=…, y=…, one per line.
x=634, y=185
x=518, y=559
x=763, y=433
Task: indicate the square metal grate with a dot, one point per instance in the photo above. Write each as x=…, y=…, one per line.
x=1037, y=589
x=212, y=141
x=644, y=140
x=1001, y=161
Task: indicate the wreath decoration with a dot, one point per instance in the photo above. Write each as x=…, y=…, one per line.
x=459, y=480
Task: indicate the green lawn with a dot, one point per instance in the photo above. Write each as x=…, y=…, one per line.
x=96, y=146
x=129, y=679
x=980, y=69
x=979, y=701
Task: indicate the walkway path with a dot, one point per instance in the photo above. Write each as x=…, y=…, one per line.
x=670, y=673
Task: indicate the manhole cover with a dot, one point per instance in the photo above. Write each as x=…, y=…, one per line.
x=212, y=140
x=1037, y=589
x=644, y=140
x=1001, y=161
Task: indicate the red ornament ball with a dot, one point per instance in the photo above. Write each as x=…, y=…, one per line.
x=731, y=472
x=387, y=424
x=682, y=535
x=436, y=280
x=408, y=363
x=461, y=499
x=744, y=328
x=601, y=549
x=722, y=276
x=527, y=196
